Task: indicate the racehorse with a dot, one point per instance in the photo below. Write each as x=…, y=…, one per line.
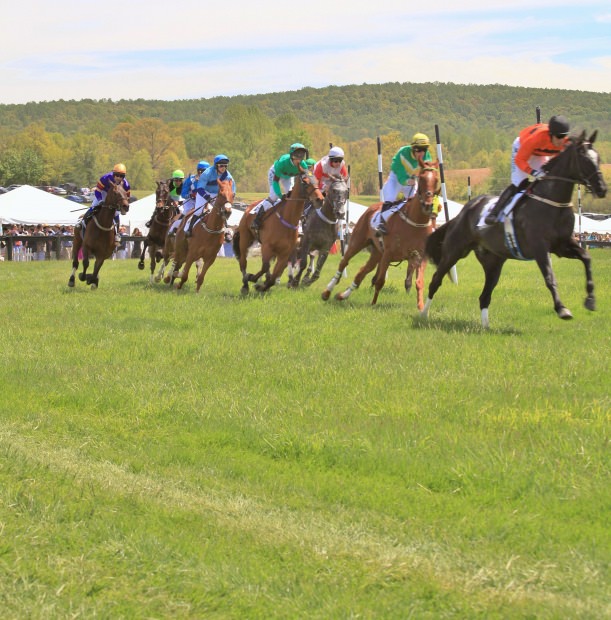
x=407, y=229
x=542, y=223
x=165, y=209
x=207, y=237
x=99, y=238
x=278, y=232
x=320, y=230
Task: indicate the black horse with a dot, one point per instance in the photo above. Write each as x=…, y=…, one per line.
x=320, y=230
x=543, y=222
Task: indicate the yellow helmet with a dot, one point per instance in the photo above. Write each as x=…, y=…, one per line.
x=420, y=139
x=120, y=168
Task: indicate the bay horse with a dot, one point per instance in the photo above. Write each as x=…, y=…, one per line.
x=99, y=238
x=320, y=230
x=165, y=210
x=408, y=230
x=207, y=237
x=278, y=233
x=543, y=223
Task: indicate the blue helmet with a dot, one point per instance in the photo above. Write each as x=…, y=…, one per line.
x=202, y=165
x=221, y=159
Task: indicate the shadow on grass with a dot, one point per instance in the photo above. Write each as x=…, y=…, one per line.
x=461, y=326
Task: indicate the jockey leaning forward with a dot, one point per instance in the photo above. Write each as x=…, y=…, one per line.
x=208, y=188
x=534, y=147
x=332, y=164
x=281, y=177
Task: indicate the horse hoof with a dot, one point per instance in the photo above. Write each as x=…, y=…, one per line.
x=71, y=282
x=590, y=304
x=565, y=314
x=244, y=290
x=94, y=286
x=157, y=278
x=325, y=295
x=340, y=297
x=82, y=277
x=141, y=266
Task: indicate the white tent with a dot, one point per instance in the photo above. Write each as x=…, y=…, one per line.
x=30, y=206
x=140, y=211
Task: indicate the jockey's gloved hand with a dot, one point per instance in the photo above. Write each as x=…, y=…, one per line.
x=538, y=174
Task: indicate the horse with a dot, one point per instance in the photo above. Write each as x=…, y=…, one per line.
x=165, y=210
x=543, y=222
x=278, y=233
x=99, y=238
x=408, y=230
x=320, y=230
x=206, y=239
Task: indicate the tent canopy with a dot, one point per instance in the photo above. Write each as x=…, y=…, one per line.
x=30, y=206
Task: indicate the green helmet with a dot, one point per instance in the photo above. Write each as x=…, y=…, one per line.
x=299, y=147
x=178, y=174
x=310, y=162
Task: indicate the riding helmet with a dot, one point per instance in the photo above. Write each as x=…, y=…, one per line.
x=203, y=164
x=296, y=147
x=336, y=151
x=221, y=159
x=420, y=139
x=120, y=168
x=559, y=126
x=178, y=174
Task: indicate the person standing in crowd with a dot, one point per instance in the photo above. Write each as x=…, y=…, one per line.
x=281, y=177
x=531, y=150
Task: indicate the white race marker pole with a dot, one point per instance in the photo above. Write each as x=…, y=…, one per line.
x=444, y=195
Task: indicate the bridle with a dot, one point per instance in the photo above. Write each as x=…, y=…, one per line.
x=576, y=160
x=219, y=204
x=425, y=198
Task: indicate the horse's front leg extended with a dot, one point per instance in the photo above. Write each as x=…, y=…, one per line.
x=142, y=255
x=83, y=275
x=545, y=266
x=380, y=278
x=92, y=278
x=272, y=278
x=320, y=261
x=184, y=274
x=419, y=283
x=368, y=267
x=574, y=250
x=338, y=274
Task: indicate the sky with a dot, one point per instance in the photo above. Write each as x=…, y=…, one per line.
x=188, y=50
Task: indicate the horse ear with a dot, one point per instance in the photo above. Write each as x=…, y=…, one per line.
x=593, y=137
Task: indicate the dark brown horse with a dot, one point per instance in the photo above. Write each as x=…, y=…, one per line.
x=320, y=230
x=278, y=233
x=165, y=210
x=542, y=223
x=99, y=239
x=207, y=237
x=408, y=230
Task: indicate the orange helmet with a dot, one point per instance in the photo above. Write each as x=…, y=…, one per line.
x=120, y=168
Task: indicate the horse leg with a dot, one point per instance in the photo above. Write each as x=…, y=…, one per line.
x=141, y=261
x=419, y=283
x=92, y=278
x=152, y=250
x=368, y=267
x=545, y=266
x=352, y=250
x=203, y=271
x=320, y=261
x=75, y=263
x=572, y=249
x=83, y=275
x=493, y=266
x=380, y=278
x=272, y=278
x=184, y=274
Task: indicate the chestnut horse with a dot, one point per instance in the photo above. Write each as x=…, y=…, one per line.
x=278, y=233
x=206, y=239
x=165, y=210
x=543, y=222
x=408, y=230
x=99, y=238
x=320, y=230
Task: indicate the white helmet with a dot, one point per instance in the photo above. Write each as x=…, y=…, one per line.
x=336, y=151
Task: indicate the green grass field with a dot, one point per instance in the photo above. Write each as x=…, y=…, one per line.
x=171, y=455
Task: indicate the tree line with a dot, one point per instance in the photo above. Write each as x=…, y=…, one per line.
x=77, y=141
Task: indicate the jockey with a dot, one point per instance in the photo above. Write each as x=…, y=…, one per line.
x=534, y=147
x=208, y=188
x=330, y=165
x=403, y=176
x=117, y=176
x=281, y=177
x=189, y=187
x=176, y=185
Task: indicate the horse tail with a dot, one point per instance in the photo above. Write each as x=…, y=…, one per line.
x=434, y=243
x=236, y=244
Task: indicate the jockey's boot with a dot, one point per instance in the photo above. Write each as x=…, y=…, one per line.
x=386, y=205
x=256, y=224
x=189, y=228
x=508, y=193
x=381, y=229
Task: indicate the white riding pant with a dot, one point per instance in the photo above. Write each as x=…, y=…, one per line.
x=392, y=188
x=285, y=184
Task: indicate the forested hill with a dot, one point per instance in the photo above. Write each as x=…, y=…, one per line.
x=350, y=112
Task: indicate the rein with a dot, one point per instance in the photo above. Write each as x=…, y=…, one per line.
x=111, y=227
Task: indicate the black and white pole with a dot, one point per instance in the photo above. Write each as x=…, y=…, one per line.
x=538, y=112
x=581, y=242
x=380, y=178
x=468, y=188
x=444, y=195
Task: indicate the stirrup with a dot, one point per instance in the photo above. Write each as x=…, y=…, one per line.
x=381, y=230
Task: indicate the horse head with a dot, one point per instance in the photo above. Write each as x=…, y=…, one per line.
x=429, y=186
x=579, y=163
x=162, y=196
x=308, y=188
x=116, y=198
x=337, y=196
x=224, y=199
